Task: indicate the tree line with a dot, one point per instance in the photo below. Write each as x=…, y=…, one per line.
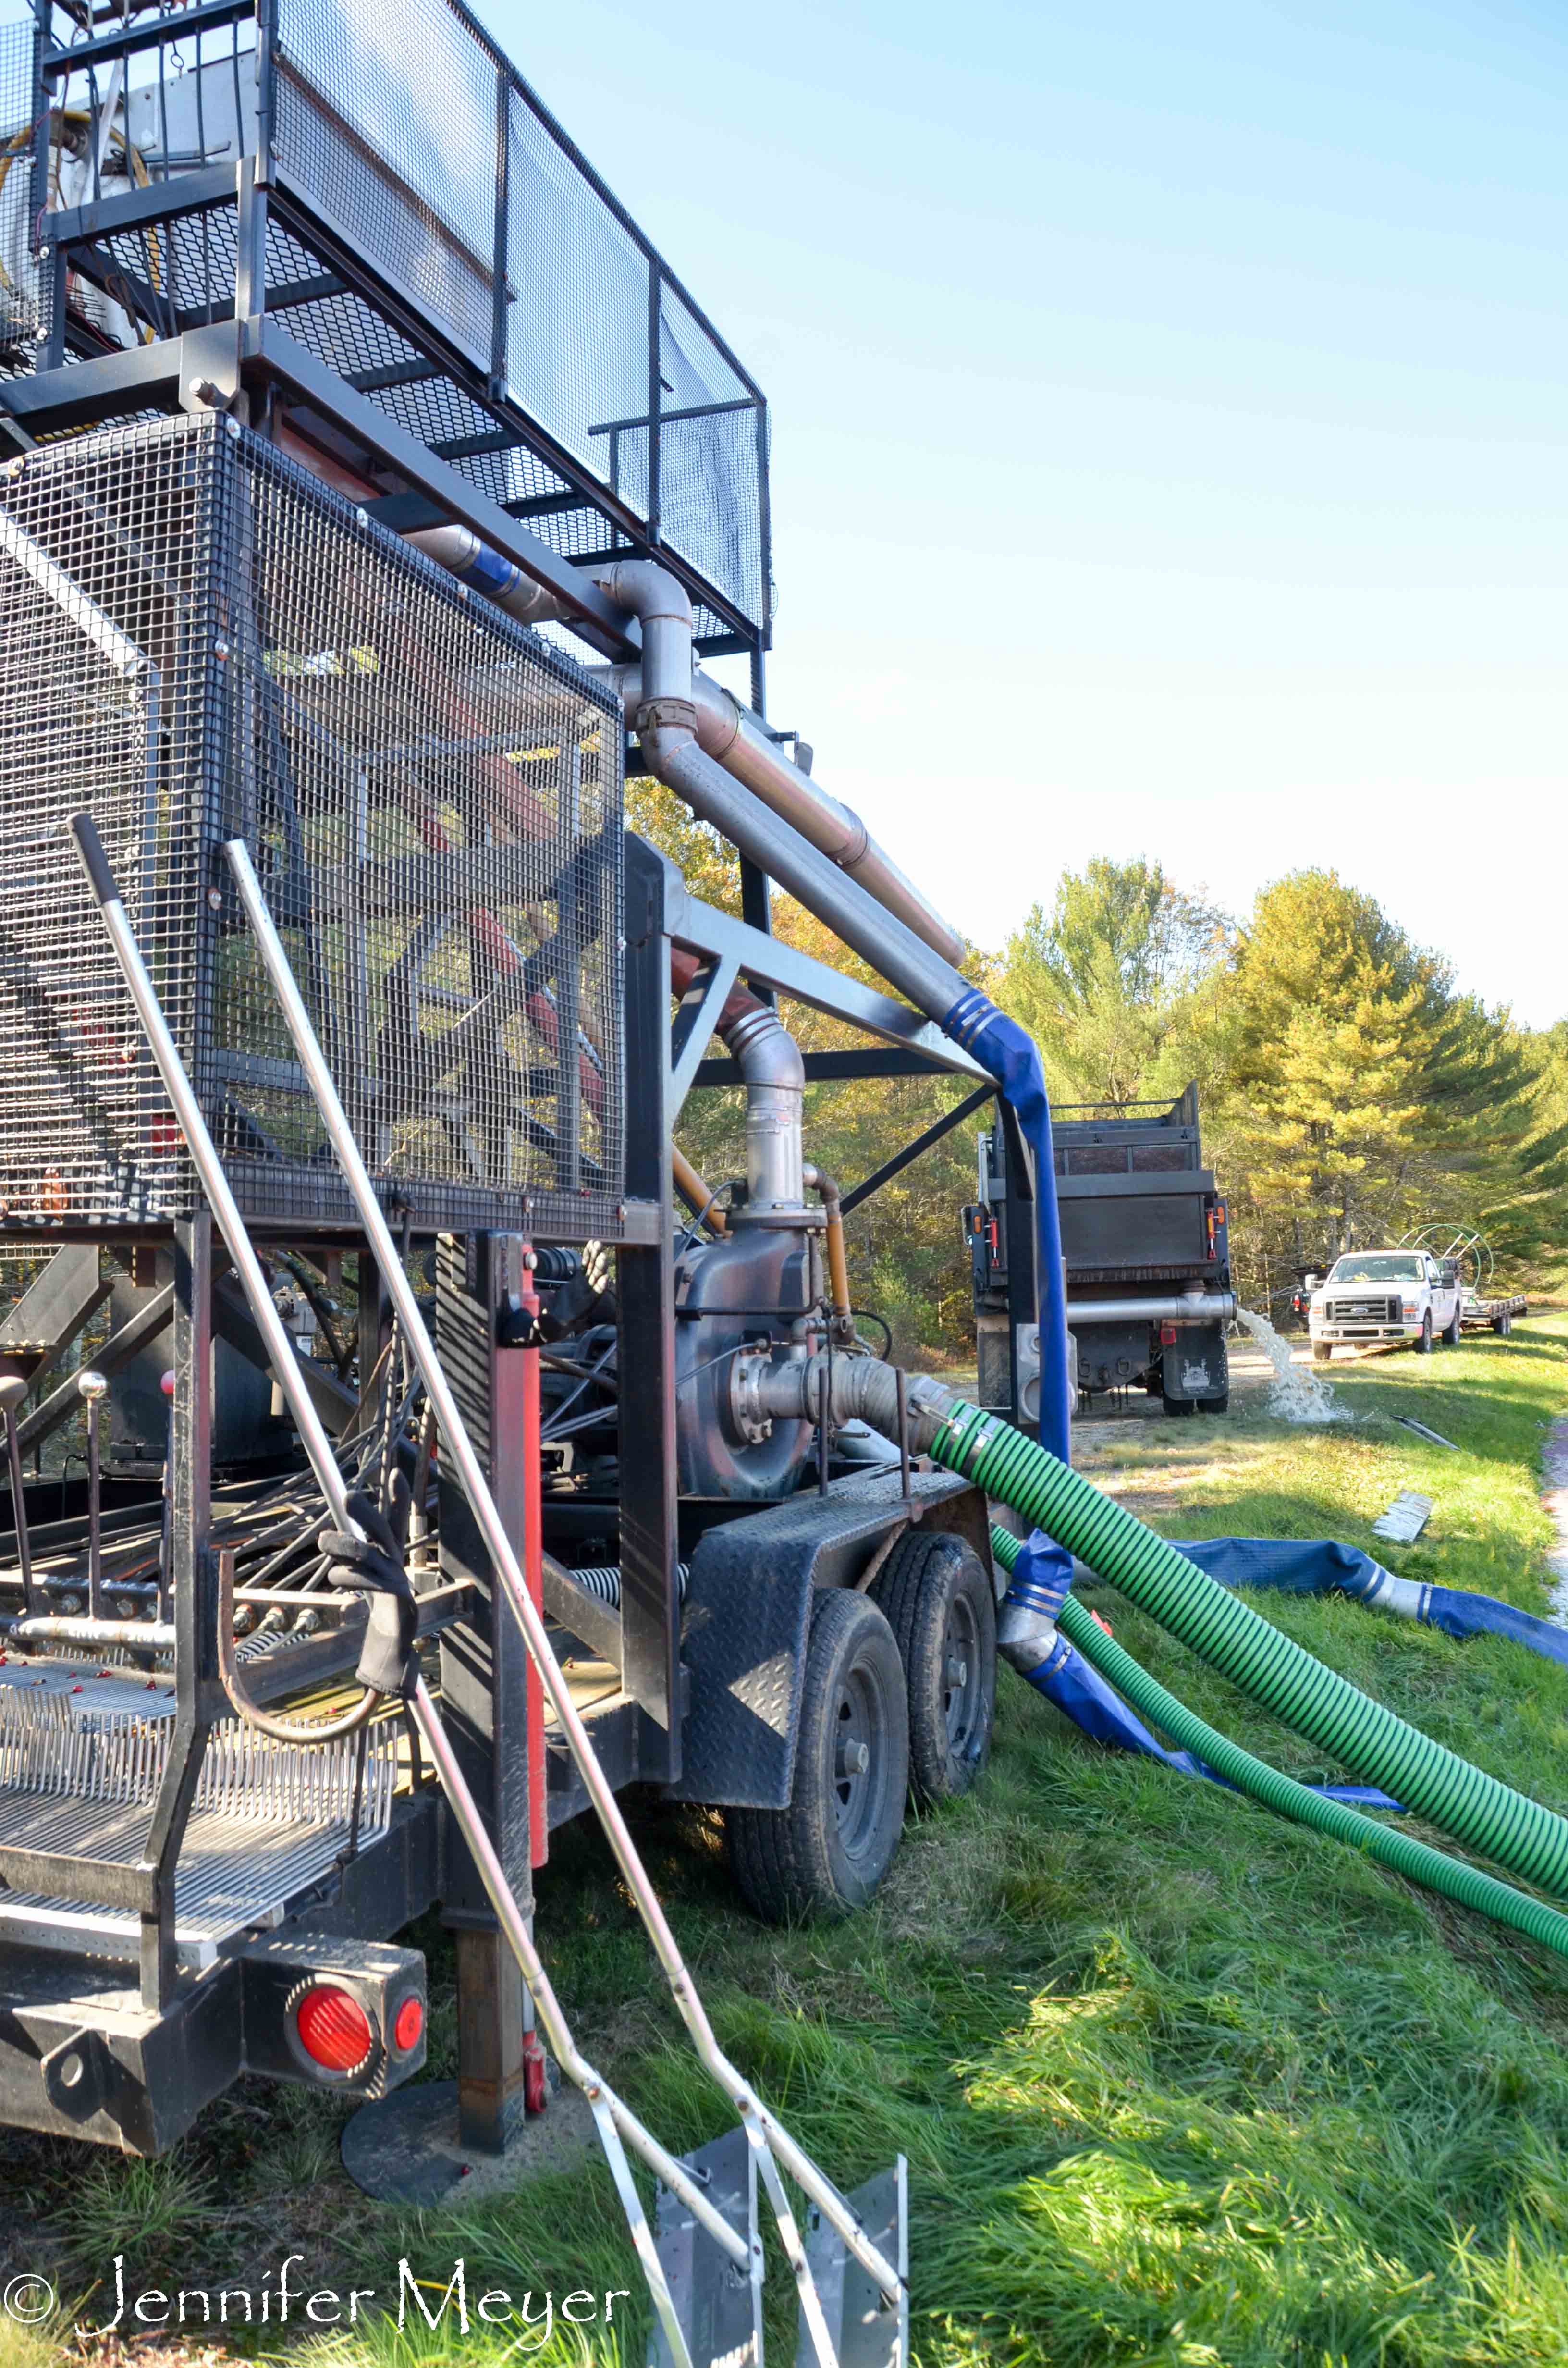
x=1348, y=1090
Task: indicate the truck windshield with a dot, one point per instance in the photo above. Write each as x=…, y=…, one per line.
x=1376, y=1270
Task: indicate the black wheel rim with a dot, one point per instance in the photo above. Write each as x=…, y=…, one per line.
x=963, y=1677
x=860, y=1758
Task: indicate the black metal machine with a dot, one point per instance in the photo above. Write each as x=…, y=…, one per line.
x=1144, y=1241
x=325, y=384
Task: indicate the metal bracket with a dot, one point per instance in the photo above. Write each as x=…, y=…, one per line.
x=866, y=2332
x=720, y=2305
x=74, y=2074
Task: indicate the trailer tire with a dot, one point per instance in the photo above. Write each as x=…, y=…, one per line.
x=1502, y=1326
x=942, y=1608
x=1178, y=1406
x=827, y=1852
x=1221, y=1405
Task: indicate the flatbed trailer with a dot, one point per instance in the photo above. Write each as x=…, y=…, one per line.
x=1493, y=1314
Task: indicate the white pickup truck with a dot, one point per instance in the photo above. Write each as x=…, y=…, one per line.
x=1386, y=1295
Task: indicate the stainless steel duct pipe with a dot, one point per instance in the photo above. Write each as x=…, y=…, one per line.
x=724, y=730
x=666, y=725
x=770, y=1061
x=460, y=551
x=1189, y=1307
x=741, y=743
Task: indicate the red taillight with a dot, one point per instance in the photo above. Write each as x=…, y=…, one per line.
x=409, y=2026
x=335, y=2030
x=1167, y=1336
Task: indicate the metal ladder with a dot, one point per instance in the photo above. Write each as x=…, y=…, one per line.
x=704, y=2269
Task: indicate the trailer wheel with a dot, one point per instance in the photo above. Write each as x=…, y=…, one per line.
x=1221, y=1405
x=1502, y=1326
x=828, y=1851
x=942, y=1609
x=1178, y=1406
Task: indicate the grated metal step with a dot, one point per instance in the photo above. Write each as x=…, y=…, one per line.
x=82, y=1756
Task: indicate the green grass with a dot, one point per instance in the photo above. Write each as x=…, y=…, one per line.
x=1179, y=2083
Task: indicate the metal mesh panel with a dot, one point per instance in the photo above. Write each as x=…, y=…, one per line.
x=709, y=478
x=198, y=640
x=577, y=322
x=18, y=272
x=388, y=118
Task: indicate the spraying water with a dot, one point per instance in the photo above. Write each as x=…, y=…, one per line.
x=1296, y=1394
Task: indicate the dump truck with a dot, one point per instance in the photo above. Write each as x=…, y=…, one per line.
x=1146, y=1250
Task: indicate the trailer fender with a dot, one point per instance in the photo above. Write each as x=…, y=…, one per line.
x=748, y=1611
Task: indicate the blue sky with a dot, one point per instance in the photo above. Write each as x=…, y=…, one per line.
x=1170, y=450
x=1168, y=415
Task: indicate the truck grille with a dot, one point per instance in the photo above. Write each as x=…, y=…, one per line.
x=1363, y=1311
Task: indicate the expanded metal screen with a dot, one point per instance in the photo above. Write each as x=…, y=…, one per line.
x=198, y=640
x=18, y=272
x=425, y=149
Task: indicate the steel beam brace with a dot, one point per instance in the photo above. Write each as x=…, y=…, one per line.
x=912, y=1151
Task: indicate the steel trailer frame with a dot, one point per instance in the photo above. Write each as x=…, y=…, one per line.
x=243, y=358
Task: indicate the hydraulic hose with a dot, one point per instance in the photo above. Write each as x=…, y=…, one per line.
x=1416, y=1861
x=1376, y=1745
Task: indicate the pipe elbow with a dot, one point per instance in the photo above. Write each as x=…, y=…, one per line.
x=764, y=1050
x=648, y=590
x=827, y=1188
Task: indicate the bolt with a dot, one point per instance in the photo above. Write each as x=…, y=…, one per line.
x=957, y=1671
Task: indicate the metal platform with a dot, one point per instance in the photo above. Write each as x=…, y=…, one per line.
x=81, y=1756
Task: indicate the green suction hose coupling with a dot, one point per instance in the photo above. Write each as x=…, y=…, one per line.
x=1416, y=1861
x=1363, y=1736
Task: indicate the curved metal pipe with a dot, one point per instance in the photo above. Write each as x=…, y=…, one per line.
x=830, y=1193
x=669, y=688
x=736, y=738
x=770, y=1061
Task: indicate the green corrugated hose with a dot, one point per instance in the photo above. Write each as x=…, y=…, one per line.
x=1399, y=1850
x=1364, y=1737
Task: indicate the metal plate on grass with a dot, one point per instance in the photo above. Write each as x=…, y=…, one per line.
x=719, y=2306
x=1405, y=1518
x=868, y=2332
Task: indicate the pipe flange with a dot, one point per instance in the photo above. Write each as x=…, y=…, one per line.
x=665, y=715
x=750, y=1418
